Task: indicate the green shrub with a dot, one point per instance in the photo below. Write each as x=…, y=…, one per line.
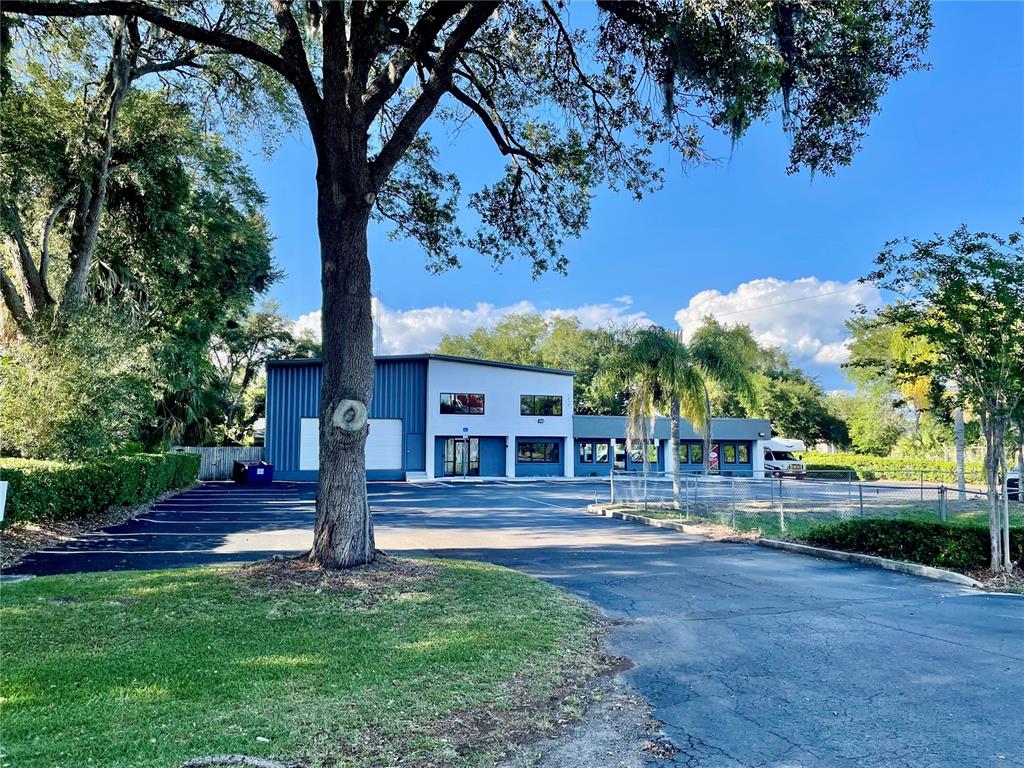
x=75, y=396
x=48, y=490
x=889, y=468
x=918, y=541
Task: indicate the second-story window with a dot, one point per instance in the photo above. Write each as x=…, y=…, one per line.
x=540, y=405
x=462, y=403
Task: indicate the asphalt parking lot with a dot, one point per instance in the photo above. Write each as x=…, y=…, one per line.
x=751, y=657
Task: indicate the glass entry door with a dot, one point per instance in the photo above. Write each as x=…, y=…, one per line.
x=462, y=457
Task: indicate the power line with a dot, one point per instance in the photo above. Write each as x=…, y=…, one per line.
x=787, y=301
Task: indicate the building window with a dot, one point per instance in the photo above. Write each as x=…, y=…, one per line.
x=636, y=455
x=540, y=405
x=691, y=453
x=462, y=403
x=461, y=457
x=620, y=456
x=743, y=453
x=729, y=454
x=601, y=452
x=537, y=452
x=586, y=451
x=697, y=453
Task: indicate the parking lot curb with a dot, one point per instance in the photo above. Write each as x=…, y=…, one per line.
x=900, y=566
x=602, y=510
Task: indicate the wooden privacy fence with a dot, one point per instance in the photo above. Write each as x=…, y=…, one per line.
x=216, y=462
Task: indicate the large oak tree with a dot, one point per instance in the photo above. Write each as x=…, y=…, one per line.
x=571, y=106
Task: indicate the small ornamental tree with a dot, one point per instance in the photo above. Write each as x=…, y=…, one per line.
x=572, y=107
x=963, y=295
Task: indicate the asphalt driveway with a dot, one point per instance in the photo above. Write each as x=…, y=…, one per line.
x=751, y=657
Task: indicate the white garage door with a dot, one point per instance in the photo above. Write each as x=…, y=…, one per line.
x=383, y=445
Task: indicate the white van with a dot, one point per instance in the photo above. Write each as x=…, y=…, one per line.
x=780, y=459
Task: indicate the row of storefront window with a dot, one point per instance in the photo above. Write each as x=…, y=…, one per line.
x=689, y=453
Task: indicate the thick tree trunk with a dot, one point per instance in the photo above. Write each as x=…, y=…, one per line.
x=673, y=446
x=343, y=534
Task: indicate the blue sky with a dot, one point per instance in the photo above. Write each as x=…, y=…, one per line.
x=748, y=241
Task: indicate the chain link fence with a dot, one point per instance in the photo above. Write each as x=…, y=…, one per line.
x=789, y=506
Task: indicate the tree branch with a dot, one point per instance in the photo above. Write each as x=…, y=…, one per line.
x=420, y=41
x=504, y=142
x=14, y=303
x=44, y=257
x=433, y=89
x=294, y=54
x=155, y=67
x=155, y=16
x=25, y=268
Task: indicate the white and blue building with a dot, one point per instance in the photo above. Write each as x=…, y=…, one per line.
x=437, y=416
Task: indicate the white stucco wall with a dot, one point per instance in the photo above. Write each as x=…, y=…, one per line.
x=501, y=388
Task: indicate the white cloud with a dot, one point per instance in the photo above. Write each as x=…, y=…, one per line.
x=405, y=331
x=804, y=317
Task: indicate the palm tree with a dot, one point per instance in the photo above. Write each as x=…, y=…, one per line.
x=724, y=357
x=661, y=374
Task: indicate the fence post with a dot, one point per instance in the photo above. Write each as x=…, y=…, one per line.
x=860, y=493
x=612, y=477
x=782, y=510
x=732, y=493
x=942, y=503
x=922, y=485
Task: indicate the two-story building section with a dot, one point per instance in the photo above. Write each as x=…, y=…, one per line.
x=432, y=416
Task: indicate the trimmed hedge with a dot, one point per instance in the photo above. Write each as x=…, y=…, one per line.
x=918, y=541
x=892, y=468
x=49, y=490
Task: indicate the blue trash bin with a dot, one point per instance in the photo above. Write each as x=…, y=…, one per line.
x=253, y=472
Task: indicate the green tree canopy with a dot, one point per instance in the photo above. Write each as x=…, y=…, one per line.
x=555, y=342
x=962, y=295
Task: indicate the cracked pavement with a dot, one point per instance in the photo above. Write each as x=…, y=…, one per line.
x=750, y=657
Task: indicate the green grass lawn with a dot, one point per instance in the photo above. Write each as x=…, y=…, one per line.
x=140, y=669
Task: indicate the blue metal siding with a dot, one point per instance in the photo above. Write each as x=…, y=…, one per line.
x=293, y=393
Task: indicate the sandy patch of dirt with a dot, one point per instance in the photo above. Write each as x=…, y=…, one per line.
x=616, y=730
x=385, y=577
x=1001, y=582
